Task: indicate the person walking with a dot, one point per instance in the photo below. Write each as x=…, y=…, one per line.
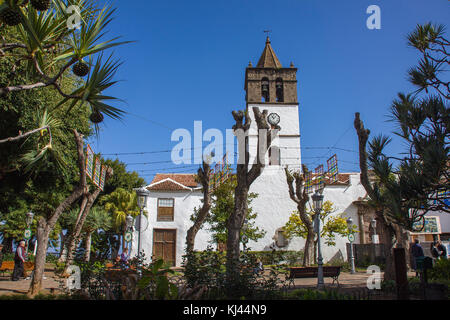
x=442, y=250
x=19, y=261
x=417, y=253
x=434, y=250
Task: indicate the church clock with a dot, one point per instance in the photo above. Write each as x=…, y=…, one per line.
x=274, y=119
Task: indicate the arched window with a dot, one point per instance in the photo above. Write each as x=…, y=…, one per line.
x=279, y=90
x=265, y=93
x=274, y=156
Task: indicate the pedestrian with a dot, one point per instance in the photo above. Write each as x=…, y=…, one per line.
x=259, y=267
x=417, y=253
x=442, y=250
x=124, y=258
x=1, y=254
x=19, y=261
x=434, y=250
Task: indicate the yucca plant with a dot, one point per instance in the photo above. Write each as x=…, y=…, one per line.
x=406, y=187
x=51, y=49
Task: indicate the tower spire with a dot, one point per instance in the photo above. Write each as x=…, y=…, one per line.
x=268, y=58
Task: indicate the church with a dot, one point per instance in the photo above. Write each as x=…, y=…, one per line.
x=173, y=197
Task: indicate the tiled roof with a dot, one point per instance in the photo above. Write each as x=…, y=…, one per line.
x=172, y=182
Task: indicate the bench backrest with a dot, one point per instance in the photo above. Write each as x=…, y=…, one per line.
x=328, y=271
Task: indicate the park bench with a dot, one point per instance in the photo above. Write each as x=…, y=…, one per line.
x=9, y=266
x=311, y=272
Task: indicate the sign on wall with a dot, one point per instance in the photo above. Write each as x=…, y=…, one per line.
x=430, y=225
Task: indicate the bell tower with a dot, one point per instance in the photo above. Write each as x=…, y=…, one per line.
x=269, y=82
x=271, y=87
x=274, y=88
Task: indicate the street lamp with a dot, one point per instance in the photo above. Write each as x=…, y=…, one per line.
x=351, y=238
x=373, y=223
x=129, y=222
x=317, y=205
x=142, y=195
x=29, y=219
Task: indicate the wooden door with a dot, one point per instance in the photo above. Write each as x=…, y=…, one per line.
x=164, y=245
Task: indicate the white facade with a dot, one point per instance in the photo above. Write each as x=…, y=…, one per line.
x=273, y=206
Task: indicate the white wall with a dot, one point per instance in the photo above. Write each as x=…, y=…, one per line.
x=185, y=202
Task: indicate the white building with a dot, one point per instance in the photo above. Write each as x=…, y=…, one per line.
x=173, y=197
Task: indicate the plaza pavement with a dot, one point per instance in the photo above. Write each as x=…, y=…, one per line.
x=347, y=281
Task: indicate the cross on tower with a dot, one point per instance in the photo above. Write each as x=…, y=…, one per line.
x=267, y=32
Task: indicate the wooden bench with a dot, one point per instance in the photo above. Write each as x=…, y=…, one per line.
x=9, y=266
x=311, y=272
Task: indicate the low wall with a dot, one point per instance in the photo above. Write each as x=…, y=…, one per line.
x=367, y=254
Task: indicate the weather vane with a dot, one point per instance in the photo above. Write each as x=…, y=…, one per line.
x=267, y=32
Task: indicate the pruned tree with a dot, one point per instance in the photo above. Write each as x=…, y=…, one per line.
x=246, y=174
x=297, y=191
x=332, y=226
x=222, y=206
x=203, y=177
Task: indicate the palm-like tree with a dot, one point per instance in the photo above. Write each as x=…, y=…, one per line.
x=97, y=219
x=121, y=203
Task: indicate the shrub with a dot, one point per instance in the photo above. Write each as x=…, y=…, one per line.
x=207, y=268
x=441, y=270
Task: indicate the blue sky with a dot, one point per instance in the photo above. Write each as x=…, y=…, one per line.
x=188, y=63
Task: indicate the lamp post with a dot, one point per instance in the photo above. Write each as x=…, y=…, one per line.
x=142, y=195
x=351, y=238
x=29, y=220
x=317, y=205
x=373, y=223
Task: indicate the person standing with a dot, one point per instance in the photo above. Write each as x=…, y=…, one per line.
x=442, y=250
x=417, y=253
x=19, y=261
x=434, y=250
x=124, y=258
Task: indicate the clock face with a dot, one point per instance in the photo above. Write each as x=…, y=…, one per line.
x=273, y=119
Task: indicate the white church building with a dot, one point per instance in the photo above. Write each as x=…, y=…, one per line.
x=173, y=197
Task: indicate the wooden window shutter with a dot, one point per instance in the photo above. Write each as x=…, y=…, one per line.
x=166, y=209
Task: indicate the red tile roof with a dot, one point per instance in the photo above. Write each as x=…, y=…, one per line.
x=166, y=182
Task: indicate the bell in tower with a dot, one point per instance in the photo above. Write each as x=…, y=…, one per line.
x=265, y=91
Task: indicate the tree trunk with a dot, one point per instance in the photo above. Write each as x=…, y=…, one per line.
x=388, y=236
x=203, y=177
x=45, y=226
x=234, y=226
x=42, y=235
x=245, y=177
x=74, y=238
x=87, y=247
